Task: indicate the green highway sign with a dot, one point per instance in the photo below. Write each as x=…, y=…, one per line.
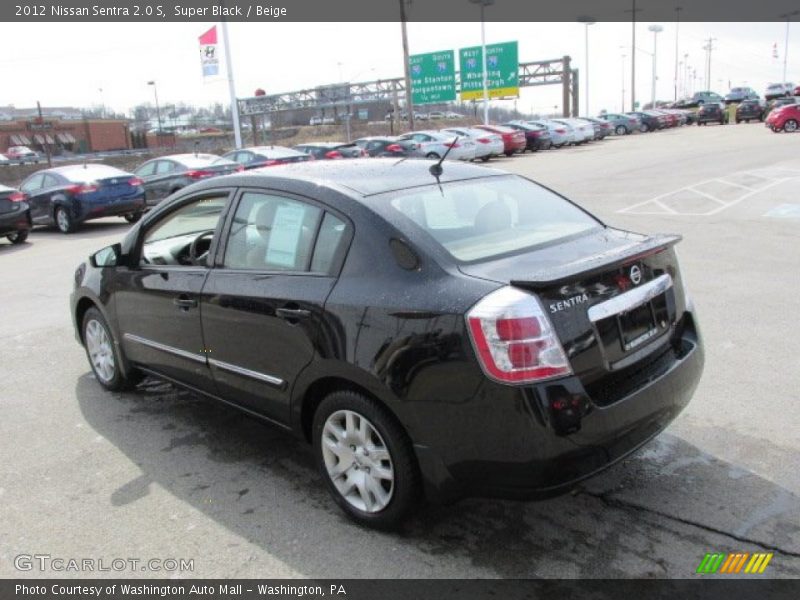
x=433, y=77
x=502, y=66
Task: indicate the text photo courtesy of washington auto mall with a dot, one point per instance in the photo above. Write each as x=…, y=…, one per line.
x=400, y=299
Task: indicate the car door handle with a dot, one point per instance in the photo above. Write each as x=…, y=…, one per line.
x=184, y=302
x=292, y=314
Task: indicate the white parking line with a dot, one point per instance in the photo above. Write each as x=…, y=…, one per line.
x=770, y=176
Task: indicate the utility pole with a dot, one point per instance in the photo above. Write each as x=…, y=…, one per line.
x=44, y=135
x=409, y=104
x=678, y=10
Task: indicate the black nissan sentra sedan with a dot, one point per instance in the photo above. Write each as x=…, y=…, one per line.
x=468, y=334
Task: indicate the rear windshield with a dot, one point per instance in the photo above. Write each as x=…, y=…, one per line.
x=484, y=218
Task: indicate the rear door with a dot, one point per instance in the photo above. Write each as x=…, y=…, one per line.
x=33, y=188
x=263, y=303
x=158, y=299
x=146, y=173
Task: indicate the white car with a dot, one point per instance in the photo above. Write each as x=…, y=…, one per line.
x=486, y=144
x=434, y=144
x=582, y=131
x=4, y=160
x=22, y=154
x=778, y=90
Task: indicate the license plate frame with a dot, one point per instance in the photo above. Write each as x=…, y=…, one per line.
x=637, y=325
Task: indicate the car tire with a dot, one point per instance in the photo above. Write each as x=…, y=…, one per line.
x=790, y=126
x=643, y=128
x=485, y=158
x=64, y=221
x=620, y=130
x=509, y=154
x=18, y=237
x=133, y=217
x=103, y=353
x=432, y=155
x=350, y=431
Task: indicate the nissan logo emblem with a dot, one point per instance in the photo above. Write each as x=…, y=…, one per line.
x=636, y=275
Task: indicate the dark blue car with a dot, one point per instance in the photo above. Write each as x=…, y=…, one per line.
x=68, y=196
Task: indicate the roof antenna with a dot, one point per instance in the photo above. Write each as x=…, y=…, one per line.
x=436, y=170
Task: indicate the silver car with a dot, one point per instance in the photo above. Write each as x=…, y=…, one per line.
x=434, y=144
x=559, y=134
x=583, y=130
x=486, y=144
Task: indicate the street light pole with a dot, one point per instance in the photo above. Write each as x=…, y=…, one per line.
x=158, y=110
x=587, y=21
x=678, y=10
x=788, y=17
x=656, y=29
x=484, y=4
x=622, y=106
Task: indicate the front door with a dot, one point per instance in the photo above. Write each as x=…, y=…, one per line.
x=263, y=303
x=158, y=304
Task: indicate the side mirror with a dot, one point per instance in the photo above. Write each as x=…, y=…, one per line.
x=107, y=257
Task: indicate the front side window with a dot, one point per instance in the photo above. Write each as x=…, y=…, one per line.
x=488, y=217
x=170, y=240
x=271, y=233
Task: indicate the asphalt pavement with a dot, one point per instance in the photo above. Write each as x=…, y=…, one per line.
x=162, y=474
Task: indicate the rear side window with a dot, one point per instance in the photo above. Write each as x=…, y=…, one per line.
x=330, y=244
x=164, y=166
x=484, y=218
x=271, y=233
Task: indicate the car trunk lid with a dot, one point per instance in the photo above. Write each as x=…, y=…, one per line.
x=613, y=297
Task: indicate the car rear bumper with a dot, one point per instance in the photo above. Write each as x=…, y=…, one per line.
x=124, y=206
x=18, y=220
x=513, y=443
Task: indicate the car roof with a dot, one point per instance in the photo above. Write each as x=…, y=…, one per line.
x=190, y=160
x=270, y=150
x=365, y=176
x=87, y=172
x=329, y=145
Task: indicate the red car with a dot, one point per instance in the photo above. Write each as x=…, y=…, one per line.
x=513, y=140
x=784, y=118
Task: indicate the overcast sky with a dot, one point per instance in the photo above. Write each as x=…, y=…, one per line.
x=62, y=64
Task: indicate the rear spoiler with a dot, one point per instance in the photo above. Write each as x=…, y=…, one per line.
x=596, y=264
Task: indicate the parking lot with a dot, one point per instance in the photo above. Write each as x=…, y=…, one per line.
x=161, y=473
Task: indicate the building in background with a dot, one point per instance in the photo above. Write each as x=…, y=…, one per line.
x=62, y=129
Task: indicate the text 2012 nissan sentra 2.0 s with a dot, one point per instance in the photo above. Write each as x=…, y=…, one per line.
x=475, y=334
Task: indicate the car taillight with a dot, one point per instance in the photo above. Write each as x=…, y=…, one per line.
x=483, y=140
x=453, y=145
x=561, y=131
x=82, y=188
x=394, y=148
x=17, y=197
x=239, y=168
x=199, y=174
x=135, y=182
x=333, y=154
x=513, y=338
x=270, y=163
